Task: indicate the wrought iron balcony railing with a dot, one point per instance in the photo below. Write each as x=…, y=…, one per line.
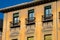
x=30, y=20
x=14, y=25
x=48, y=18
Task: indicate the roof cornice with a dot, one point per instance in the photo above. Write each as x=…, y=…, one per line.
x=25, y=5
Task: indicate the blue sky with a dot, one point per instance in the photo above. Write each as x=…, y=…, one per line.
x=7, y=3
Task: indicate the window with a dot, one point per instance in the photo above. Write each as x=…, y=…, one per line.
x=31, y=14
x=30, y=38
x=14, y=39
x=59, y=15
x=48, y=11
x=48, y=37
x=15, y=17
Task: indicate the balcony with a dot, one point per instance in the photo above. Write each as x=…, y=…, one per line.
x=30, y=21
x=48, y=18
x=14, y=25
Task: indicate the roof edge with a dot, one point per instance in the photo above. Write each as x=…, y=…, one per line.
x=24, y=5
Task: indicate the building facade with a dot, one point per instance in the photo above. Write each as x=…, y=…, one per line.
x=1, y=27
x=36, y=20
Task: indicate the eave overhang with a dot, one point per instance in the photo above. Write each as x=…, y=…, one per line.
x=25, y=5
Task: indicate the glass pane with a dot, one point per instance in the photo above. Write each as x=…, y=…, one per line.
x=15, y=17
x=15, y=14
x=31, y=11
x=47, y=12
x=30, y=38
x=50, y=11
x=16, y=20
x=31, y=15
